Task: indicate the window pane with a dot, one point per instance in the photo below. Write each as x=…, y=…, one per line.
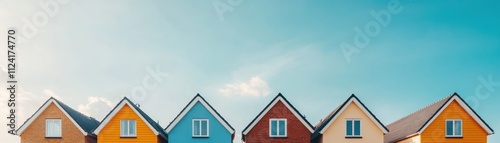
x=57, y=128
x=124, y=127
x=282, y=127
x=131, y=128
x=48, y=128
x=53, y=128
x=204, y=128
x=458, y=128
x=449, y=127
x=274, y=127
x=357, y=128
x=196, y=129
x=349, y=127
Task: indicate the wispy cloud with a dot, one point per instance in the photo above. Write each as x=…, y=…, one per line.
x=3, y=68
x=51, y=93
x=96, y=107
x=26, y=104
x=255, y=87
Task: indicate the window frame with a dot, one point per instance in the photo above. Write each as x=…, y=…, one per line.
x=201, y=128
x=454, y=121
x=47, y=127
x=128, y=135
x=353, y=120
x=278, y=127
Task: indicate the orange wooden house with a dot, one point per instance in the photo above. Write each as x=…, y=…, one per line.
x=449, y=120
x=54, y=122
x=127, y=123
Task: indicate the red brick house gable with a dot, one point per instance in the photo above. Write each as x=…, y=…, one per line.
x=298, y=129
x=75, y=127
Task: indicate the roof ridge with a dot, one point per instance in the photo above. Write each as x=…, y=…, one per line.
x=184, y=108
x=127, y=102
x=150, y=120
x=201, y=100
x=78, y=112
x=422, y=108
x=289, y=106
x=261, y=112
x=296, y=111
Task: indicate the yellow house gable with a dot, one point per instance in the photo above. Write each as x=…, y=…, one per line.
x=127, y=123
x=429, y=124
x=471, y=130
x=110, y=133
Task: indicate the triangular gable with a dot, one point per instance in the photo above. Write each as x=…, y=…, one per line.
x=332, y=117
x=409, y=125
x=200, y=99
x=117, y=108
x=40, y=110
x=466, y=107
x=282, y=99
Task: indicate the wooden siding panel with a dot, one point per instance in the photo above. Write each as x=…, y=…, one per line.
x=336, y=132
x=472, y=132
x=111, y=132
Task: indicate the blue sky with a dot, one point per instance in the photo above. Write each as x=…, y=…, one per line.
x=91, y=53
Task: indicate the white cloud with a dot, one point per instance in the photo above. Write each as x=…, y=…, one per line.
x=26, y=104
x=50, y=93
x=255, y=87
x=3, y=69
x=96, y=107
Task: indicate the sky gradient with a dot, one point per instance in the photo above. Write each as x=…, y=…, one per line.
x=89, y=54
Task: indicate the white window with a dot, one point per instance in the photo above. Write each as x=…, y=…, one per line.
x=53, y=128
x=453, y=128
x=277, y=128
x=200, y=128
x=128, y=128
x=353, y=128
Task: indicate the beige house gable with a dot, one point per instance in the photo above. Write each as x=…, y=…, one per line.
x=333, y=127
x=370, y=132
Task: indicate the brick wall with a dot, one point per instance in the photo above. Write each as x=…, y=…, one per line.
x=296, y=132
x=35, y=133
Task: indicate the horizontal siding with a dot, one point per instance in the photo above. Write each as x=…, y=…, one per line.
x=472, y=132
x=111, y=132
x=415, y=139
x=336, y=132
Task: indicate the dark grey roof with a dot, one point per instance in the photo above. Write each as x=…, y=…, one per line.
x=192, y=100
x=154, y=124
x=410, y=125
x=330, y=116
x=85, y=122
x=268, y=106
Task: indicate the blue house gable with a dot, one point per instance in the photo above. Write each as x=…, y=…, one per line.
x=199, y=122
